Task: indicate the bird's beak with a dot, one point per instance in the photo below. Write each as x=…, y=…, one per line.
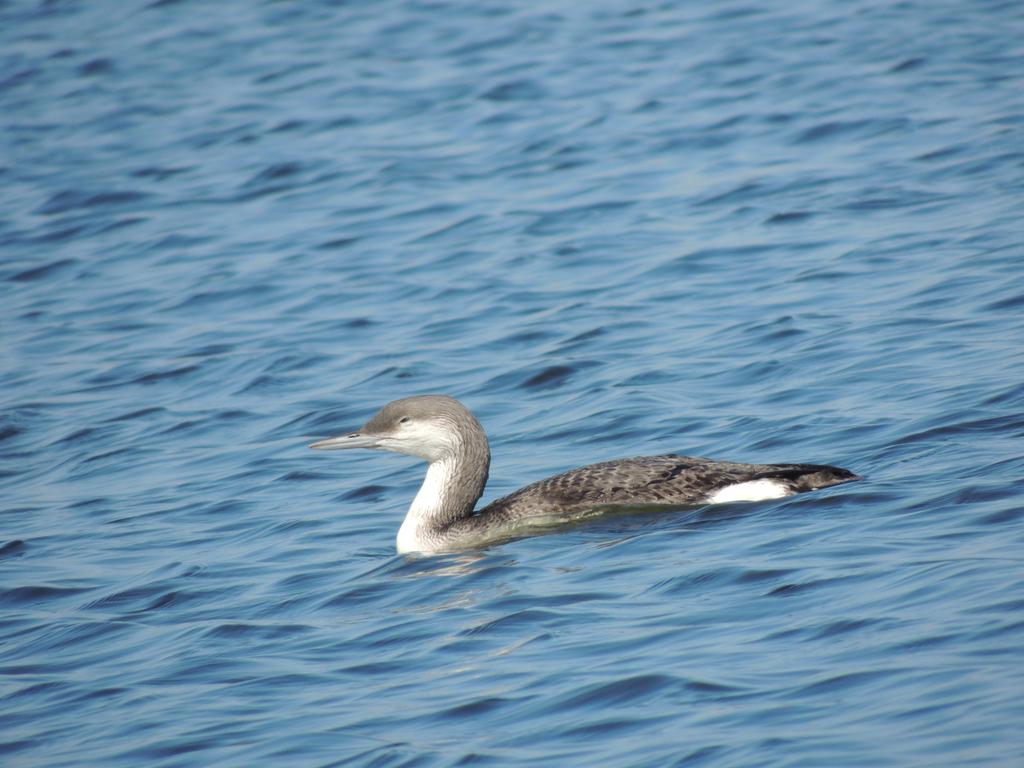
x=352, y=440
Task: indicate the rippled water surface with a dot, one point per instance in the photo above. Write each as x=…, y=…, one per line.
x=754, y=231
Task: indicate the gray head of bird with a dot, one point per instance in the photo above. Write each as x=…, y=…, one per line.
x=432, y=427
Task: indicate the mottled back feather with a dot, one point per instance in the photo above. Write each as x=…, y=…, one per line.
x=656, y=480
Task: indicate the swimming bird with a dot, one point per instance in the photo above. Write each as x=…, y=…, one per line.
x=442, y=431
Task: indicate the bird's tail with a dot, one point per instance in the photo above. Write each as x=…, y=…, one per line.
x=810, y=477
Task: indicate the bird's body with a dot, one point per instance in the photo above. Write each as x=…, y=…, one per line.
x=442, y=431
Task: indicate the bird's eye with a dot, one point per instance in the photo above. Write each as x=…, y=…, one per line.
x=404, y=420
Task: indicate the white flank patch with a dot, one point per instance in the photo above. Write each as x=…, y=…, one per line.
x=752, y=490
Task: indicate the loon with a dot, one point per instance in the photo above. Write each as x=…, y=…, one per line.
x=441, y=430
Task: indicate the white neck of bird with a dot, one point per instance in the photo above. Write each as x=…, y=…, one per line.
x=454, y=482
x=427, y=507
x=449, y=491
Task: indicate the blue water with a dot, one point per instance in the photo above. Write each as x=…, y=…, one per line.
x=759, y=232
